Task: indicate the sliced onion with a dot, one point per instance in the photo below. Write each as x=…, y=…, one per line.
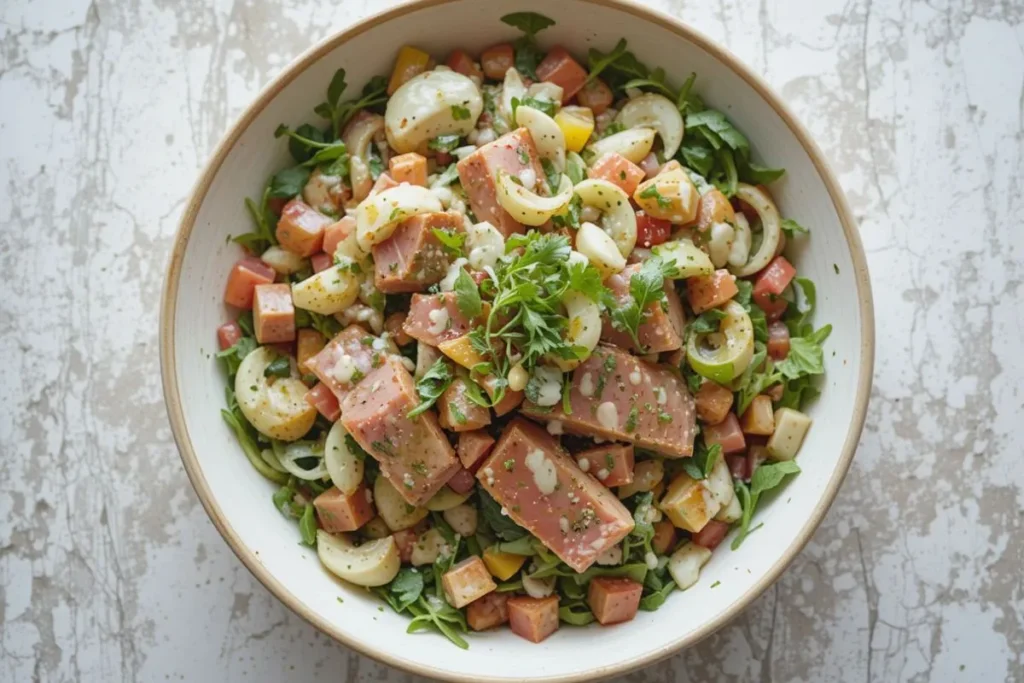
x=301, y=450
x=529, y=208
x=360, y=133
x=345, y=468
x=546, y=135
x=431, y=104
x=634, y=144
x=377, y=216
x=276, y=409
x=513, y=88
x=584, y=329
x=600, y=250
x=771, y=229
x=619, y=220
x=658, y=112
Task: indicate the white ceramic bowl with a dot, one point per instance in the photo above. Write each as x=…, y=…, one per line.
x=238, y=499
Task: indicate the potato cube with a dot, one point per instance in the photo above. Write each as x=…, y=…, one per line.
x=467, y=581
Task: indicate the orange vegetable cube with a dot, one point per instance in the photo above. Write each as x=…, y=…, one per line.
x=338, y=512
x=708, y=291
x=759, y=417
x=619, y=171
x=242, y=281
x=409, y=168
x=300, y=229
x=713, y=402
x=273, y=315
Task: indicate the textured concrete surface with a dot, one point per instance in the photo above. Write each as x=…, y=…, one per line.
x=109, y=568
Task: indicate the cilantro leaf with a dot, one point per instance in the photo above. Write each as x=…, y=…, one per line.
x=451, y=241
x=289, y=182
x=530, y=23
x=467, y=296
x=805, y=355
x=571, y=217
x=651, y=192
x=527, y=54
x=460, y=113
x=707, y=322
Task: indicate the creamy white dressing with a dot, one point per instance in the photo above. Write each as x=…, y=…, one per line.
x=344, y=369
x=608, y=415
x=555, y=428
x=635, y=377
x=438, y=321
x=545, y=476
x=587, y=385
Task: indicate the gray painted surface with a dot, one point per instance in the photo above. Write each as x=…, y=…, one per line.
x=110, y=569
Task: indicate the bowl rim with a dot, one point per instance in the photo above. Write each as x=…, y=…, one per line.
x=183, y=441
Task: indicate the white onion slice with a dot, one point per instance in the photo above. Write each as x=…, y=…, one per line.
x=634, y=144
x=345, y=468
x=658, y=112
x=546, y=135
x=527, y=207
x=619, y=220
x=377, y=216
x=771, y=229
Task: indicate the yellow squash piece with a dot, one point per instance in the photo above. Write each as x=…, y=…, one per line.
x=502, y=566
x=409, y=63
x=462, y=352
x=577, y=124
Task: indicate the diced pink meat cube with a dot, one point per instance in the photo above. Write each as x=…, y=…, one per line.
x=545, y=491
x=338, y=512
x=473, y=447
x=242, y=281
x=488, y=612
x=513, y=153
x=713, y=533
x=727, y=434
x=457, y=412
x=533, y=618
x=467, y=581
x=347, y=359
x=323, y=399
x=617, y=396
x=661, y=330
x=300, y=229
x=617, y=170
x=613, y=600
x=436, y=318
x=273, y=315
x=336, y=232
x=612, y=464
x=414, y=453
x=413, y=258
x=321, y=261
x=228, y=334
x=560, y=68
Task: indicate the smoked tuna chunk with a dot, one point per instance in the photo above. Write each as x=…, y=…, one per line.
x=242, y=281
x=662, y=328
x=300, y=229
x=414, y=453
x=473, y=447
x=457, y=412
x=613, y=600
x=533, y=618
x=612, y=465
x=617, y=396
x=545, y=491
x=514, y=153
x=467, y=581
x=487, y=612
x=338, y=512
x=273, y=315
x=413, y=258
x=436, y=318
x=560, y=68
x=347, y=359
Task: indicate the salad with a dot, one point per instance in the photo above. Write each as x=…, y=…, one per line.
x=516, y=338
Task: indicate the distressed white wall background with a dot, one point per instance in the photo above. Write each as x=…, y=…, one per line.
x=109, y=568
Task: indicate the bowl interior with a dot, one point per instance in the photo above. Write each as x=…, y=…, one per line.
x=239, y=499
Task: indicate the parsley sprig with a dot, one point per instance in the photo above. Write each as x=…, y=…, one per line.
x=646, y=287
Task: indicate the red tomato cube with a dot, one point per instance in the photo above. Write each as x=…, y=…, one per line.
x=533, y=618
x=228, y=334
x=711, y=535
x=769, y=285
x=613, y=600
x=708, y=291
x=496, y=60
x=323, y=399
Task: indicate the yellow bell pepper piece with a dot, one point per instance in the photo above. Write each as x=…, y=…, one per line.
x=577, y=124
x=409, y=63
x=502, y=566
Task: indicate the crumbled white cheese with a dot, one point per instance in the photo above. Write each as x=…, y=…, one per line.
x=608, y=415
x=661, y=396
x=587, y=385
x=555, y=428
x=489, y=474
x=635, y=377
x=344, y=369
x=584, y=464
x=563, y=524
x=438, y=321
x=602, y=474
x=528, y=177
x=545, y=476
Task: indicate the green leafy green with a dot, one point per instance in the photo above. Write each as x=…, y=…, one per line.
x=284, y=500
x=404, y=590
x=766, y=477
x=806, y=356
x=339, y=113
x=245, y=434
x=279, y=367
x=656, y=599
x=646, y=287
x=430, y=387
x=707, y=322
x=460, y=113
x=527, y=53
x=467, y=295
x=791, y=227
x=235, y=354
x=307, y=526
x=576, y=613
x=571, y=217
x=551, y=174
x=754, y=381
x=530, y=23
x=448, y=176
x=436, y=614
x=502, y=525
x=598, y=61
x=451, y=241
x=444, y=143
x=699, y=466
x=266, y=222
x=289, y=182
x=744, y=297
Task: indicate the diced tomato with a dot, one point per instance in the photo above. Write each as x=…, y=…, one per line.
x=708, y=291
x=560, y=68
x=727, y=433
x=320, y=261
x=651, y=231
x=462, y=481
x=778, y=340
x=769, y=285
x=461, y=62
x=596, y=95
x=323, y=399
x=443, y=159
x=711, y=535
x=496, y=60
x=228, y=334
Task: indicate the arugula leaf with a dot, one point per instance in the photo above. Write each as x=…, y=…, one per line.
x=791, y=227
x=404, y=590
x=530, y=23
x=643, y=529
x=283, y=500
x=451, y=241
x=653, y=83
x=502, y=525
x=797, y=393
x=289, y=182
x=435, y=613
x=430, y=387
x=339, y=113
x=654, y=600
x=684, y=100
x=236, y=353
x=716, y=122
x=698, y=154
x=279, y=367
x=527, y=53
x=467, y=296
x=246, y=436
x=307, y=526
x=598, y=61
x=542, y=105
x=758, y=320
x=755, y=174
x=805, y=355
x=707, y=322
x=766, y=477
x=551, y=174
x=699, y=466
x=302, y=142
x=576, y=613
x=444, y=143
